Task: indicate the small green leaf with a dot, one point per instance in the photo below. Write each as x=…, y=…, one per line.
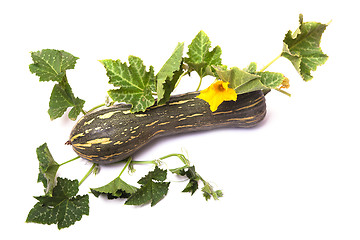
x=63, y=208
x=302, y=48
x=167, y=71
x=61, y=99
x=51, y=64
x=191, y=174
x=47, y=168
x=200, y=57
x=115, y=189
x=271, y=79
x=134, y=81
x=251, y=68
x=78, y=105
x=209, y=192
x=153, y=188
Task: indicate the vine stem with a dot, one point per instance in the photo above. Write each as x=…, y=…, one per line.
x=267, y=65
x=87, y=174
x=126, y=165
x=284, y=92
x=96, y=107
x=73, y=159
x=197, y=89
x=178, y=81
x=156, y=161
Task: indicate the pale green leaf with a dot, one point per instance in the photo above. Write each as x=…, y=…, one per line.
x=134, y=82
x=271, y=79
x=302, y=48
x=199, y=48
x=172, y=65
x=239, y=80
x=251, y=68
x=200, y=57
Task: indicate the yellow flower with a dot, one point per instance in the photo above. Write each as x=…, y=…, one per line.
x=216, y=93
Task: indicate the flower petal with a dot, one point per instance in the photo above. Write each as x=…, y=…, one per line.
x=216, y=93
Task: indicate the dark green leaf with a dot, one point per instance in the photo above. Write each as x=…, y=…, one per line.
x=61, y=99
x=115, y=189
x=63, y=208
x=47, y=168
x=192, y=186
x=77, y=108
x=153, y=188
x=191, y=174
x=51, y=64
x=209, y=192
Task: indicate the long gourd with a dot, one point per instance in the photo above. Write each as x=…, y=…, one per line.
x=114, y=133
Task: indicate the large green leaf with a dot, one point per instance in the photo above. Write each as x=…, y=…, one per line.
x=134, y=82
x=302, y=48
x=51, y=65
x=63, y=208
x=166, y=73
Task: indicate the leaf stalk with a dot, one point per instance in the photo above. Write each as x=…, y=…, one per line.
x=267, y=65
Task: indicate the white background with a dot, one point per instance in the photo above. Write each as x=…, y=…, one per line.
x=295, y=176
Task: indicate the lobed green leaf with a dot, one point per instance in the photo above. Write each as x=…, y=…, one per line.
x=153, y=188
x=115, y=189
x=61, y=99
x=63, y=208
x=51, y=64
x=200, y=57
x=134, y=81
x=302, y=48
